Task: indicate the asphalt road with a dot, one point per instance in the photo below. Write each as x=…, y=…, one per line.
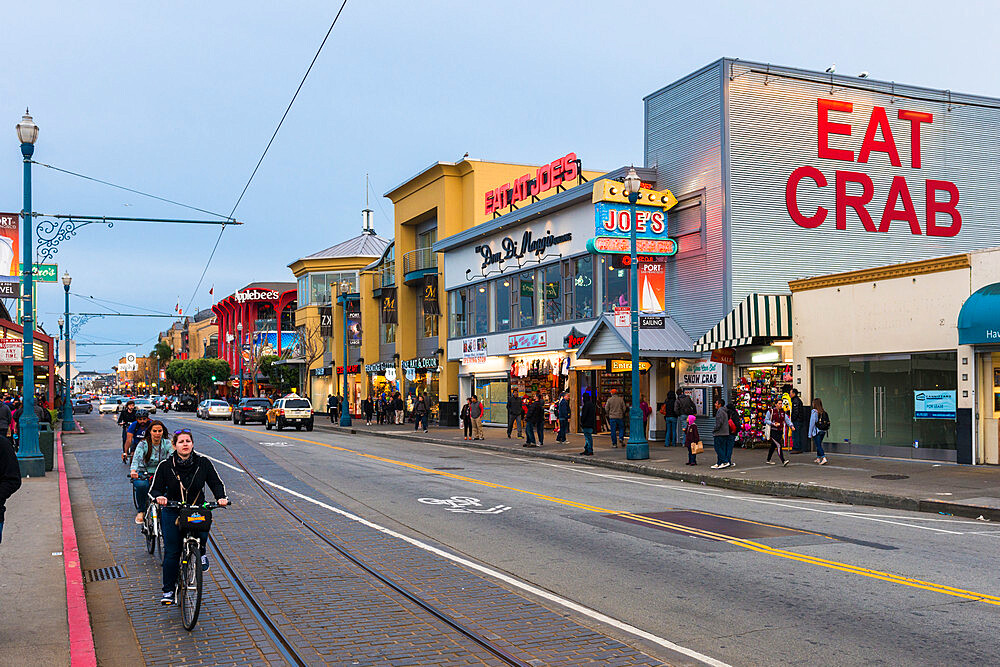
x=743, y=579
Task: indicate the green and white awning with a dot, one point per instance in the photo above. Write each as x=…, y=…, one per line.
x=758, y=316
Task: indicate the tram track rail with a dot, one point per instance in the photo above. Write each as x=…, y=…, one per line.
x=438, y=614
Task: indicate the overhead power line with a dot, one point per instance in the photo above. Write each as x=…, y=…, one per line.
x=264, y=154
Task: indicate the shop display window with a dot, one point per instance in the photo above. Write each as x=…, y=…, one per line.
x=526, y=298
x=756, y=392
x=479, y=320
x=501, y=295
x=458, y=313
x=549, y=301
x=616, y=286
x=580, y=288
x=387, y=333
x=493, y=394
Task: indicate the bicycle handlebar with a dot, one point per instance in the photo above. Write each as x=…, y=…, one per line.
x=209, y=506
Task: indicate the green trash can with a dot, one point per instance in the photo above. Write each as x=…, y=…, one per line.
x=47, y=443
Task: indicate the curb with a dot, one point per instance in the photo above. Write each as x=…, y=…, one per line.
x=81, y=638
x=759, y=487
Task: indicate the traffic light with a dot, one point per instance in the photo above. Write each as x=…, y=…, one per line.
x=213, y=378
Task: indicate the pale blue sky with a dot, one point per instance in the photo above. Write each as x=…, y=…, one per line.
x=179, y=98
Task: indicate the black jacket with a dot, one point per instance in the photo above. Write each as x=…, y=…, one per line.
x=588, y=415
x=536, y=413
x=798, y=412
x=685, y=406
x=193, y=476
x=515, y=406
x=10, y=473
x=126, y=417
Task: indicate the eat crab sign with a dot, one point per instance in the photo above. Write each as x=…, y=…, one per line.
x=941, y=216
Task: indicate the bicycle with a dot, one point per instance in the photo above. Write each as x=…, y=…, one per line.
x=187, y=594
x=150, y=523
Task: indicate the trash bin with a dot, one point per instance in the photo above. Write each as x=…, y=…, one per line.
x=46, y=443
x=449, y=413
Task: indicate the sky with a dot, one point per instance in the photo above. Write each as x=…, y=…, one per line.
x=179, y=99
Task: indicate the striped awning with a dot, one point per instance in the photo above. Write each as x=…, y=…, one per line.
x=758, y=316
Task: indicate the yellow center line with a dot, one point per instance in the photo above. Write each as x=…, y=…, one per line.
x=698, y=532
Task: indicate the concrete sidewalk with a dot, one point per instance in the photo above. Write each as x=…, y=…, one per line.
x=961, y=490
x=35, y=629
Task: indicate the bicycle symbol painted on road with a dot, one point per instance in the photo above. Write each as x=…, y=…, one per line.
x=276, y=444
x=465, y=505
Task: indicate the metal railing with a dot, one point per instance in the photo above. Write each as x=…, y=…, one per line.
x=385, y=275
x=421, y=258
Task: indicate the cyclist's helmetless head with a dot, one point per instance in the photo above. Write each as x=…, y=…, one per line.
x=183, y=443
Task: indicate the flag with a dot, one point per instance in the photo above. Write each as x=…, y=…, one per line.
x=177, y=308
x=211, y=291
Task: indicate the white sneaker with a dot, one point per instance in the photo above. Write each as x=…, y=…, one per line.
x=770, y=463
x=717, y=466
x=822, y=461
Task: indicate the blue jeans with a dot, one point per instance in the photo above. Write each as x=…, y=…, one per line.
x=140, y=491
x=1, y=532
x=588, y=440
x=671, y=438
x=563, y=430
x=730, y=443
x=818, y=441
x=172, y=548
x=797, y=436
x=719, y=443
x=617, y=430
x=418, y=418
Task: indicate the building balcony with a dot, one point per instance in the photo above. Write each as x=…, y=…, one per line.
x=417, y=264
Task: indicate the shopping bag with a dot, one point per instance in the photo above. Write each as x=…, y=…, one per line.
x=697, y=447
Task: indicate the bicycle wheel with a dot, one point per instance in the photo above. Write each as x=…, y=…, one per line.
x=159, y=545
x=150, y=536
x=191, y=584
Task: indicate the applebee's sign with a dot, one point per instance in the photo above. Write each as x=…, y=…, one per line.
x=256, y=295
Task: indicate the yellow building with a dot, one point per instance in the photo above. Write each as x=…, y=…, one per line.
x=193, y=337
x=320, y=320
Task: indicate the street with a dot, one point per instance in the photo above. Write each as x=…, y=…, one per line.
x=732, y=577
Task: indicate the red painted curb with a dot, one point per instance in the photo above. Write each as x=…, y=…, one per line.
x=81, y=638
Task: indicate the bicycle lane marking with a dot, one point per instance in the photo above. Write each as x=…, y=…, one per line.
x=746, y=544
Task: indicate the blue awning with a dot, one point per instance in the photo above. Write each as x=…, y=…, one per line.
x=979, y=320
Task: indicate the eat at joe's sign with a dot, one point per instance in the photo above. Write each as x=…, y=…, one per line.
x=854, y=189
x=546, y=177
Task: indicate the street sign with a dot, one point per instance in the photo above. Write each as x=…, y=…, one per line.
x=623, y=317
x=624, y=366
x=130, y=363
x=44, y=273
x=10, y=350
x=652, y=321
x=10, y=289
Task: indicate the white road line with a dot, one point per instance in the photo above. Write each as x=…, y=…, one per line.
x=534, y=590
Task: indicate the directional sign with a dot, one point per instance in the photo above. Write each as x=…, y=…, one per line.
x=625, y=366
x=9, y=289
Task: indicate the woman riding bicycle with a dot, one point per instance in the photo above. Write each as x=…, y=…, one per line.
x=155, y=447
x=181, y=477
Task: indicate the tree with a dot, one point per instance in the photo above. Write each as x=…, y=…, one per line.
x=311, y=347
x=283, y=377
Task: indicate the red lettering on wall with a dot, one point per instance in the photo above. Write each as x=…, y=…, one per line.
x=915, y=118
x=899, y=190
x=791, y=197
x=827, y=127
x=950, y=207
x=857, y=202
x=571, y=170
x=878, y=121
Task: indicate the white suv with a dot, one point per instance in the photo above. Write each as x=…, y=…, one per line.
x=290, y=411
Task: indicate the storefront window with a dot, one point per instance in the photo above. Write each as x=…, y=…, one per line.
x=616, y=286
x=480, y=320
x=303, y=291
x=387, y=333
x=320, y=286
x=501, y=290
x=428, y=324
x=526, y=297
x=549, y=300
x=457, y=313
x=581, y=277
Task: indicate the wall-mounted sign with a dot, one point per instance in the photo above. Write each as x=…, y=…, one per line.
x=766, y=356
x=351, y=368
x=624, y=366
x=700, y=372
x=389, y=315
x=474, y=350
x=379, y=366
x=724, y=355
x=616, y=220
x=609, y=190
x=430, y=295
x=321, y=371
x=511, y=248
x=574, y=339
x=9, y=289
x=44, y=273
x=326, y=321
x=10, y=350
x=256, y=295
x=354, y=329
x=652, y=321
x=934, y=404
x=622, y=245
x=426, y=363
x=526, y=341
x=545, y=178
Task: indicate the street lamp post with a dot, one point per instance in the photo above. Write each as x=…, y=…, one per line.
x=239, y=353
x=637, y=447
x=68, y=423
x=29, y=457
x=345, y=410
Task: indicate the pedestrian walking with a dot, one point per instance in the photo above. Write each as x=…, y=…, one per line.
x=799, y=422
x=10, y=476
x=400, y=407
x=420, y=410
x=476, y=413
x=331, y=407
x=684, y=406
x=692, y=440
x=553, y=412
x=774, y=426
x=467, y=419
x=819, y=424
x=670, y=419
x=720, y=436
x=615, y=409
x=588, y=419
x=515, y=414
x=646, y=411
x=535, y=422
x=368, y=405
x=563, y=412
x=6, y=418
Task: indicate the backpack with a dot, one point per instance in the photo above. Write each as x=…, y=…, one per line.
x=823, y=421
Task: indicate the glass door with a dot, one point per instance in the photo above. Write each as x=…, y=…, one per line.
x=882, y=401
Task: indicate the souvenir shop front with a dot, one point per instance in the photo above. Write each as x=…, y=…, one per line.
x=382, y=378
x=355, y=385
x=422, y=375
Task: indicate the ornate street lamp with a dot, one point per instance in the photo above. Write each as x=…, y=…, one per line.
x=68, y=423
x=29, y=457
x=637, y=447
x=345, y=288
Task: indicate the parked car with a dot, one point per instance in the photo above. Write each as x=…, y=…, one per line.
x=290, y=410
x=109, y=405
x=82, y=406
x=213, y=408
x=185, y=403
x=251, y=410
